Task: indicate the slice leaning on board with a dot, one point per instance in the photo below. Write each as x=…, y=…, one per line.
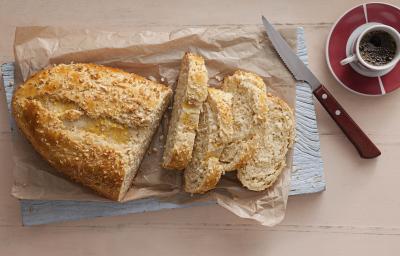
x=241, y=128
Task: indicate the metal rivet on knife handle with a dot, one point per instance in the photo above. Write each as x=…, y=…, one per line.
x=365, y=147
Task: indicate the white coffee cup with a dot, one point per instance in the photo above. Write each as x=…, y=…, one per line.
x=359, y=64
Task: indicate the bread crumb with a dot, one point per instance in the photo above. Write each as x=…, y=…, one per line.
x=218, y=78
x=152, y=78
x=162, y=79
x=155, y=150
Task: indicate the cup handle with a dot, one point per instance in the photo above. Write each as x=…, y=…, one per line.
x=348, y=60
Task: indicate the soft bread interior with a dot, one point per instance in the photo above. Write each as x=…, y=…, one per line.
x=191, y=92
x=204, y=170
x=214, y=132
x=249, y=105
x=270, y=158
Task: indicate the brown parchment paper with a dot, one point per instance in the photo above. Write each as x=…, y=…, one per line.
x=155, y=55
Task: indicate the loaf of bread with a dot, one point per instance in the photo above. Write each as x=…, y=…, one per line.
x=190, y=94
x=269, y=160
x=214, y=133
x=90, y=122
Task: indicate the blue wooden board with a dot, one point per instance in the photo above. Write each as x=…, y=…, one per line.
x=307, y=175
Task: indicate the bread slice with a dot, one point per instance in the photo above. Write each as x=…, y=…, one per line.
x=190, y=94
x=270, y=158
x=92, y=123
x=215, y=131
x=249, y=116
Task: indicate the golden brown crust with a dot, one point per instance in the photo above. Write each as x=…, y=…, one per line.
x=210, y=179
x=190, y=93
x=97, y=90
x=68, y=115
x=179, y=157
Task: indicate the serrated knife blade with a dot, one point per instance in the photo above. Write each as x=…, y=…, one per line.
x=365, y=147
x=296, y=66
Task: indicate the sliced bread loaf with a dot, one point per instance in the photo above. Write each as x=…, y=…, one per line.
x=190, y=94
x=269, y=160
x=215, y=131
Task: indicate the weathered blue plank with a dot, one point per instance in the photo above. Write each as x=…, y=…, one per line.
x=307, y=176
x=35, y=212
x=308, y=173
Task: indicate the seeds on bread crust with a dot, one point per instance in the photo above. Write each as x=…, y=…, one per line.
x=90, y=122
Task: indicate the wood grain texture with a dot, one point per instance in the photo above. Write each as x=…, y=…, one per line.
x=190, y=240
x=36, y=212
x=307, y=174
x=357, y=215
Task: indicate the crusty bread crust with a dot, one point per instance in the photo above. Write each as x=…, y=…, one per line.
x=90, y=122
x=269, y=160
x=190, y=93
x=215, y=131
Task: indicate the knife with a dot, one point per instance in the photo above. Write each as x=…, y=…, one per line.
x=365, y=147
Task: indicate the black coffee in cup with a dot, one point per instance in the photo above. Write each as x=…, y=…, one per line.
x=377, y=48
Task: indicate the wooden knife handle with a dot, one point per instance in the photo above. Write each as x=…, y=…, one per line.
x=366, y=148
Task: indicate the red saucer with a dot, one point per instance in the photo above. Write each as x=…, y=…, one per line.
x=336, y=49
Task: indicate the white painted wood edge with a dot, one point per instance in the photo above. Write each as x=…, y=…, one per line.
x=307, y=174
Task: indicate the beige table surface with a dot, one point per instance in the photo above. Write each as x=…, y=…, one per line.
x=358, y=214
